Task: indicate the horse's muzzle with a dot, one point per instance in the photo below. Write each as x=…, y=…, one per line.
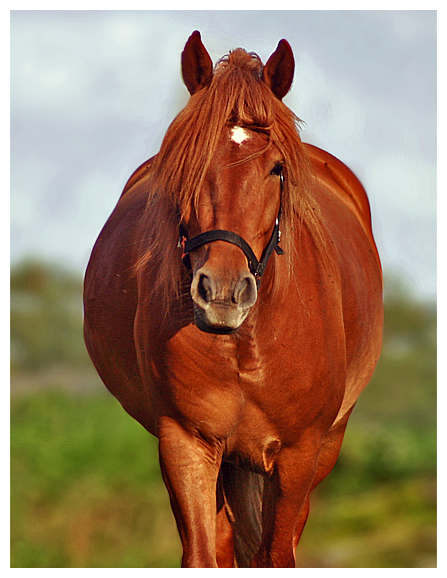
x=221, y=304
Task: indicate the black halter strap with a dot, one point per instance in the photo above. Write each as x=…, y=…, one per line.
x=257, y=267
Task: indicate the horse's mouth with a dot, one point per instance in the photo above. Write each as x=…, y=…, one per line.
x=219, y=319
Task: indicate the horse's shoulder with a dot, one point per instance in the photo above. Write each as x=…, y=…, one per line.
x=341, y=182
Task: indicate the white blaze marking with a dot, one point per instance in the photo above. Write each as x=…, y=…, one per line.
x=239, y=134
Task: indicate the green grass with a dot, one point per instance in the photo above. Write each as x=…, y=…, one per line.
x=86, y=491
x=392, y=525
x=377, y=508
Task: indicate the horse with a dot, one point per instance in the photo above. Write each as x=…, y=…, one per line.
x=233, y=306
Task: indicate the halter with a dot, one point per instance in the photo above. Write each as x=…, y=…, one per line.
x=256, y=267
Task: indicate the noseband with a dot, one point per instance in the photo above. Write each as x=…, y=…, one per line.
x=257, y=267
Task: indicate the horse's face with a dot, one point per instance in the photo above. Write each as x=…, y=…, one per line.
x=242, y=198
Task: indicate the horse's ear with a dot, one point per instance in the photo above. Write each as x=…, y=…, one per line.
x=197, y=66
x=278, y=72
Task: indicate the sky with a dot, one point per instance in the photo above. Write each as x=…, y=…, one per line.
x=93, y=92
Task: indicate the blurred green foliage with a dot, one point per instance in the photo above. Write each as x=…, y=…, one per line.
x=86, y=489
x=46, y=316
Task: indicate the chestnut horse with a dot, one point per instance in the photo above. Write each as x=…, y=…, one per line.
x=233, y=305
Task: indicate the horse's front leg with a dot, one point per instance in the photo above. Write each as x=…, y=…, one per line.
x=330, y=448
x=190, y=467
x=285, y=498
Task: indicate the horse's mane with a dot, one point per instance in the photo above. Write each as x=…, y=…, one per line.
x=236, y=96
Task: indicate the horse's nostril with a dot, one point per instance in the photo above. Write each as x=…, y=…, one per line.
x=245, y=291
x=204, y=288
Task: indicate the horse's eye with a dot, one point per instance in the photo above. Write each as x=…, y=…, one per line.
x=277, y=169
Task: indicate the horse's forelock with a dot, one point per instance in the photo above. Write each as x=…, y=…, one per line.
x=248, y=61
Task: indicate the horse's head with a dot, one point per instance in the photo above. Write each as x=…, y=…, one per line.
x=232, y=228
x=230, y=171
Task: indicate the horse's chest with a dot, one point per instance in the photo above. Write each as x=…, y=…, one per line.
x=225, y=386
x=207, y=381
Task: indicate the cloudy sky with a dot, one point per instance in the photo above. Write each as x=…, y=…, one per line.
x=93, y=92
